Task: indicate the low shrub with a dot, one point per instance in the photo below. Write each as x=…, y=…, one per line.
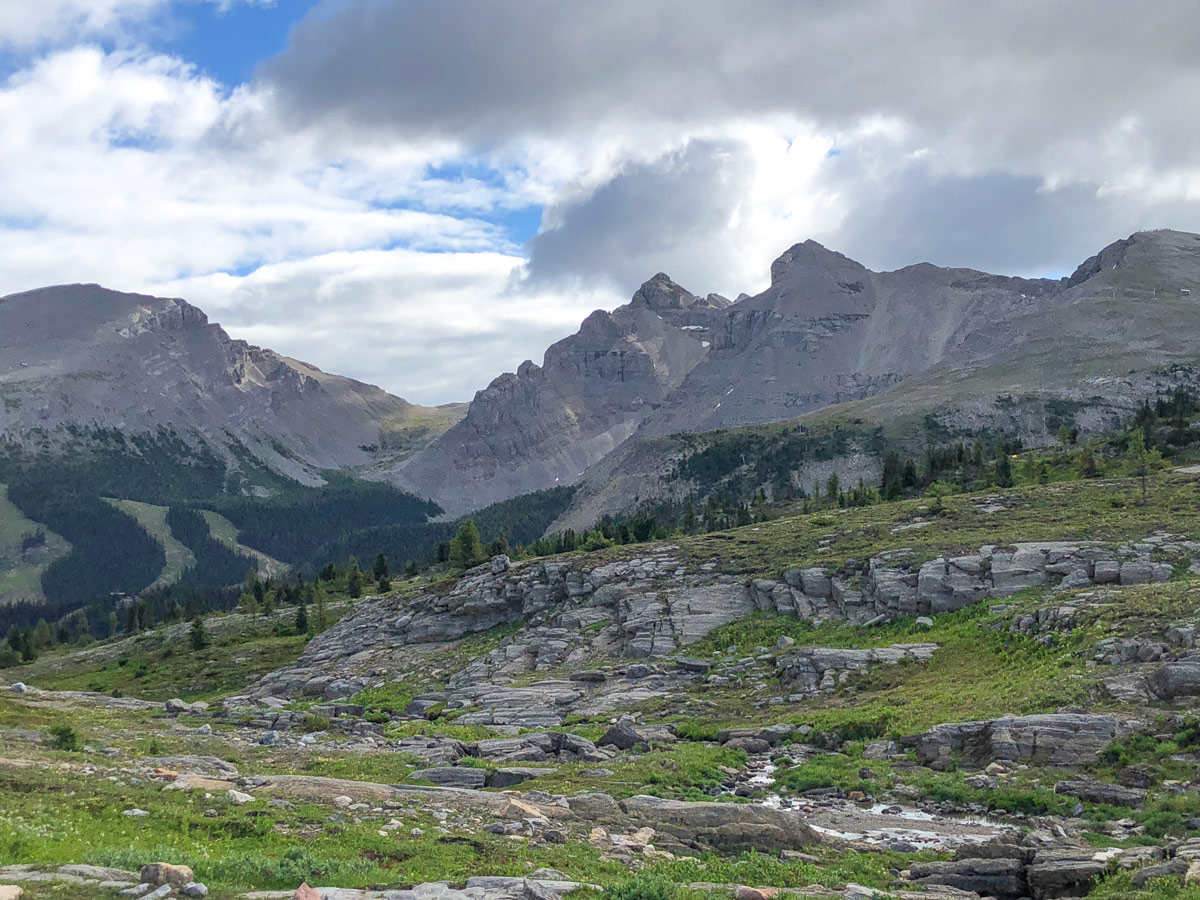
x=63, y=737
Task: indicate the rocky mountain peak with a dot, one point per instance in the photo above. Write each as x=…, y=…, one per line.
x=1167, y=258
x=661, y=293
x=81, y=354
x=807, y=259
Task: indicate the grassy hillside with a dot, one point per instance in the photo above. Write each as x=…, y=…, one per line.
x=225, y=532
x=22, y=562
x=67, y=806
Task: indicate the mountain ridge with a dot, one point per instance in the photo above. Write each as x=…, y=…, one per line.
x=826, y=332
x=83, y=355
x=829, y=331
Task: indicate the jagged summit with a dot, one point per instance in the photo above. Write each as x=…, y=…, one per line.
x=544, y=425
x=660, y=293
x=827, y=331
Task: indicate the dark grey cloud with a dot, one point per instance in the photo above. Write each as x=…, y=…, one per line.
x=996, y=222
x=671, y=214
x=1016, y=77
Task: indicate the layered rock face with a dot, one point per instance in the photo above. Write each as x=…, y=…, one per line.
x=883, y=590
x=641, y=608
x=1057, y=739
x=81, y=355
x=573, y=611
x=544, y=425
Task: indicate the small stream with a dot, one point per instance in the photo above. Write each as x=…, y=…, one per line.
x=886, y=824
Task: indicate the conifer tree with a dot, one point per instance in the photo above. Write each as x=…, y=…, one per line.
x=380, y=569
x=1004, y=476
x=354, y=579
x=199, y=636
x=689, y=524
x=466, y=549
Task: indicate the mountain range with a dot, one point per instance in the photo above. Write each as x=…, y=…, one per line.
x=827, y=332
x=855, y=360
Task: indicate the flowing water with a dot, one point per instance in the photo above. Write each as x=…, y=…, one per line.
x=877, y=823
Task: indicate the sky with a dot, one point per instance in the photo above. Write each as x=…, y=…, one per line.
x=423, y=193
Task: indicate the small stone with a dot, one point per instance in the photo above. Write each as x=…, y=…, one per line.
x=19, y=688
x=194, y=889
x=135, y=813
x=239, y=797
x=10, y=892
x=136, y=891
x=175, y=706
x=1192, y=876
x=594, y=676
x=341, y=801
x=923, y=622
x=165, y=873
x=749, y=893
x=270, y=739
x=204, y=729
x=304, y=892
x=784, y=642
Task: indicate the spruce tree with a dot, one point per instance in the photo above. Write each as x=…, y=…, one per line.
x=891, y=485
x=466, y=549
x=199, y=637
x=1004, y=476
x=689, y=524
x=380, y=569
x=302, y=619
x=354, y=579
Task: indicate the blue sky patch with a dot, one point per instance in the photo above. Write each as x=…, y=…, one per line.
x=228, y=44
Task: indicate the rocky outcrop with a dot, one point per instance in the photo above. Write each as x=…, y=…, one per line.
x=642, y=608
x=881, y=589
x=1068, y=740
x=576, y=611
x=809, y=670
x=1101, y=792
x=725, y=827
